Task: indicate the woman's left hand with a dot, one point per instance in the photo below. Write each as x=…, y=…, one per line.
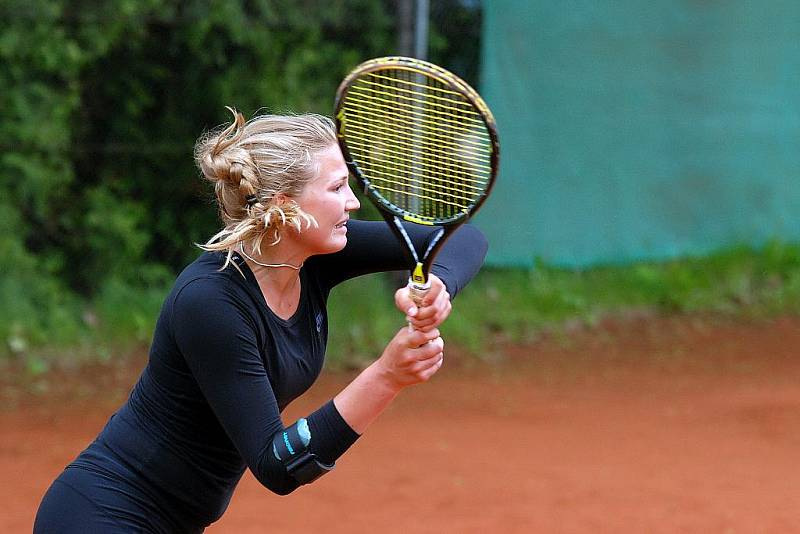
x=435, y=307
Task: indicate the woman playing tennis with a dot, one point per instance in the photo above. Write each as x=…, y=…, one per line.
x=243, y=333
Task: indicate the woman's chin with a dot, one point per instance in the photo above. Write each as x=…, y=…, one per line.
x=335, y=244
x=340, y=242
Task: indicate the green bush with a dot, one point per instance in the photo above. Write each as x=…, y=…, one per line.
x=38, y=316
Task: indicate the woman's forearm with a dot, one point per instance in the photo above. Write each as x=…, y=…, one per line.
x=366, y=397
x=411, y=357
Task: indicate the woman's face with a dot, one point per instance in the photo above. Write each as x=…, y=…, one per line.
x=329, y=199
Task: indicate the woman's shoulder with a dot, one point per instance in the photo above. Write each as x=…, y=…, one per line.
x=204, y=277
x=210, y=265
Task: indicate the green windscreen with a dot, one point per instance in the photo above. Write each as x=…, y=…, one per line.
x=637, y=130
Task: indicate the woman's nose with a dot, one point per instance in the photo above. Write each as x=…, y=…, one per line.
x=352, y=202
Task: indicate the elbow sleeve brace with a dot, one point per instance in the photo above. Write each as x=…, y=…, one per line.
x=290, y=447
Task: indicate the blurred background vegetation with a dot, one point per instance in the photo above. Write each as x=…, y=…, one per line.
x=101, y=105
x=101, y=203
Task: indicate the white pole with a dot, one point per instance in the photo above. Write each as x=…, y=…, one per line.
x=421, y=30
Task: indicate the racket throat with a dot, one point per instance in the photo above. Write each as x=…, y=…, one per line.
x=418, y=279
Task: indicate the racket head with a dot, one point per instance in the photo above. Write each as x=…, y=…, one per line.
x=419, y=140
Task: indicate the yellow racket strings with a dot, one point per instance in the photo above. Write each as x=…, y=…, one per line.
x=422, y=145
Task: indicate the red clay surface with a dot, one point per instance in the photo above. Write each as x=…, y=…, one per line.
x=646, y=425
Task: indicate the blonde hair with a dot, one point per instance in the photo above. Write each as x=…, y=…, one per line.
x=250, y=163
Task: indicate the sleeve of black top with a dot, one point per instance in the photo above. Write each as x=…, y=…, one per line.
x=372, y=247
x=217, y=337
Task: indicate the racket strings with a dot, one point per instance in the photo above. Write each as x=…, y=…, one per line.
x=446, y=102
x=422, y=146
x=375, y=97
x=405, y=134
x=408, y=140
x=399, y=81
x=451, y=193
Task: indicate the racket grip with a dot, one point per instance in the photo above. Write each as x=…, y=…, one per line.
x=417, y=292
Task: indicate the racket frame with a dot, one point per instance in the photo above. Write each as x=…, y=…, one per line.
x=392, y=213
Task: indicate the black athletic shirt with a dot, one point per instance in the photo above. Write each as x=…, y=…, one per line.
x=222, y=367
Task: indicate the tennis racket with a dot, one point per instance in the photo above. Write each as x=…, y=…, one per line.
x=423, y=146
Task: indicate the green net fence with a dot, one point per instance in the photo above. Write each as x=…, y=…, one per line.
x=641, y=130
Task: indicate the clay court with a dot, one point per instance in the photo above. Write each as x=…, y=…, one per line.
x=644, y=424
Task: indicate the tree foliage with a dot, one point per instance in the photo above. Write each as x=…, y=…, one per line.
x=101, y=105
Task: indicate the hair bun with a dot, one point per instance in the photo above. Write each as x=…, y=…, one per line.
x=215, y=168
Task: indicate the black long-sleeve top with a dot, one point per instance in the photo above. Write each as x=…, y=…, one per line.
x=222, y=367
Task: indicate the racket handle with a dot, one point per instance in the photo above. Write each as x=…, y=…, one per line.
x=417, y=292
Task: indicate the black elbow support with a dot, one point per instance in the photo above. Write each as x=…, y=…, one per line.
x=290, y=447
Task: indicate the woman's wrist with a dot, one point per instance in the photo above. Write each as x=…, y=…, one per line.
x=382, y=380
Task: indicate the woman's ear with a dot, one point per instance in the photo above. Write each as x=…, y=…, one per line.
x=280, y=199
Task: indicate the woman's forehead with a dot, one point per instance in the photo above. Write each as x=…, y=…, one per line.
x=332, y=165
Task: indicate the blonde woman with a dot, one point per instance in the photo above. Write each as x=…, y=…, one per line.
x=243, y=333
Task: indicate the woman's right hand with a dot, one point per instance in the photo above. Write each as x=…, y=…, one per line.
x=411, y=357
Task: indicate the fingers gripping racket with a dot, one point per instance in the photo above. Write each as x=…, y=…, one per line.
x=423, y=146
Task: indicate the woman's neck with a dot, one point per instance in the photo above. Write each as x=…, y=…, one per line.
x=275, y=268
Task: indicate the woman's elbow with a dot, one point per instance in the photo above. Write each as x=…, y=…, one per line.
x=283, y=492
x=475, y=239
x=282, y=488
x=278, y=483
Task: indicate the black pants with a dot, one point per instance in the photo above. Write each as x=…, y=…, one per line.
x=82, y=501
